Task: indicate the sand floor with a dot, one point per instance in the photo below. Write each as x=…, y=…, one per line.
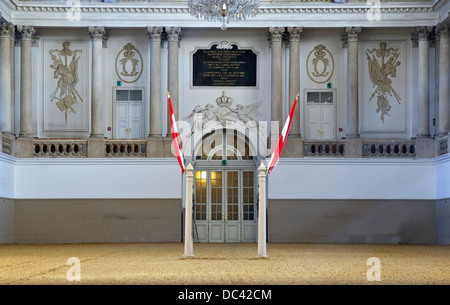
x=163, y=263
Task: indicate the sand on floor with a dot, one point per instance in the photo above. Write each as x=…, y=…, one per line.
x=225, y=264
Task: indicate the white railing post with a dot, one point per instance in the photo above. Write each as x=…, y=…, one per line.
x=262, y=212
x=188, y=243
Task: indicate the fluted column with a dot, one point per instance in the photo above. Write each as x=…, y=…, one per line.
x=154, y=34
x=26, y=35
x=444, y=80
x=352, y=34
x=423, y=83
x=276, y=36
x=6, y=30
x=173, y=37
x=97, y=125
x=294, y=77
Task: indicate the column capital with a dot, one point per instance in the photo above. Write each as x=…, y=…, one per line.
x=295, y=33
x=97, y=32
x=27, y=32
x=423, y=32
x=173, y=33
x=352, y=33
x=7, y=30
x=276, y=33
x=443, y=31
x=154, y=33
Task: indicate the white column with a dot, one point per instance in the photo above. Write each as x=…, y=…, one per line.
x=188, y=242
x=6, y=30
x=276, y=36
x=352, y=34
x=97, y=129
x=154, y=34
x=444, y=79
x=262, y=211
x=294, y=77
x=423, y=83
x=173, y=37
x=26, y=35
x=13, y=78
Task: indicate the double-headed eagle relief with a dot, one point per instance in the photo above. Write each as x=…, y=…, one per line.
x=380, y=75
x=65, y=64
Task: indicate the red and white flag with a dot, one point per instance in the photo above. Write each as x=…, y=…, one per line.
x=280, y=144
x=176, y=138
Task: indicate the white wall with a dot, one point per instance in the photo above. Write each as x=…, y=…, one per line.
x=443, y=177
x=352, y=179
x=7, y=177
x=97, y=178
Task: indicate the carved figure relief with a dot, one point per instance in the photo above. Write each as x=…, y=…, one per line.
x=380, y=75
x=128, y=67
x=223, y=112
x=320, y=68
x=65, y=64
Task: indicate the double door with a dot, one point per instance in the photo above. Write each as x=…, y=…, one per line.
x=225, y=206
x=320, y=115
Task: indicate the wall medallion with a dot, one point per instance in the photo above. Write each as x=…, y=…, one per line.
x=65, y=64
x=380, y=73
x=129, y=64
x=320, y=64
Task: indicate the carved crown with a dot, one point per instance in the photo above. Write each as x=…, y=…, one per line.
x=224, y=100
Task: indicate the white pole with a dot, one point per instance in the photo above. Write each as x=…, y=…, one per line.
x=188, y=243
x=262, y=212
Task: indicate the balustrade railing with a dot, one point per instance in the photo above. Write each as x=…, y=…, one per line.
x=125, y=148
x=392, y=148
x=324, y=148
x=68, y=148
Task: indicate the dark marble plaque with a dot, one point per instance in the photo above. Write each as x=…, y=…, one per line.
x=224, y=67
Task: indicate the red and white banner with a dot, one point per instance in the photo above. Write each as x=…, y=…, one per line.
x=280, y=144
x=175, y=136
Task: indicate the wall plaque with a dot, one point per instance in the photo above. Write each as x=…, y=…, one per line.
x=224, y=65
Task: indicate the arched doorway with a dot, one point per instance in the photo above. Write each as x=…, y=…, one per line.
x=225, y=188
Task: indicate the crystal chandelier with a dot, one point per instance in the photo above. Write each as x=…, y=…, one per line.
x=223, y=10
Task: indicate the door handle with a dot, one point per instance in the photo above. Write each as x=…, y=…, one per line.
x=223, y=216
x=321, y=132
x=226, y=216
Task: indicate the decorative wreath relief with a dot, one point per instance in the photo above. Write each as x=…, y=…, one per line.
x=65, y=64
x=128, y=67
x=320, y=68
x=380, y=76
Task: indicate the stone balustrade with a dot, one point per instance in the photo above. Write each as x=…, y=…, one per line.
x=391, y=148
x=324, y=148
x=125, y=148
x=61, y=148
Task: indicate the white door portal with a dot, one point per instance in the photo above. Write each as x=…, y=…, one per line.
x=225, y=190
x=225, y=206
x=320, y=115
x=128, y=122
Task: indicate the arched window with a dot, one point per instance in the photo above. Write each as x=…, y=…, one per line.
x=225, y=144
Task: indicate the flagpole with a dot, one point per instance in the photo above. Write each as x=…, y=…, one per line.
x=188, y=242
x=262, y=212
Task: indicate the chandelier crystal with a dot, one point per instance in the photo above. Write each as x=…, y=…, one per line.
x=225, y=11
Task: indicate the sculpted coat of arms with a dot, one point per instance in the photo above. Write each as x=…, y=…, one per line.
x=381, y=74
x=65, y=64
x=320, y=64
x=129, y=64
x=223, y=112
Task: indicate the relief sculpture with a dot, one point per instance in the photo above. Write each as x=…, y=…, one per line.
x=129, y=67
x=320, y=68
x=381, y=74
x=65, y=64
